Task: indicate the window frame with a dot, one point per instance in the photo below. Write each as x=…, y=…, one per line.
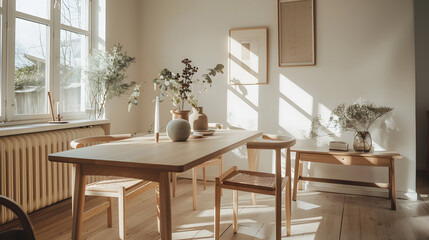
x=3, y=70
x=7, y=87
x=80, y=114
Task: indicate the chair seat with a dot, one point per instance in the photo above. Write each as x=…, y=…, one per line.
x=251, y=180
x=113, y=184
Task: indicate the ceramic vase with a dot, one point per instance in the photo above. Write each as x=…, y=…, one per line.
x=198, y=120
x=178, y=130
x=180, y=114
x=362, y=141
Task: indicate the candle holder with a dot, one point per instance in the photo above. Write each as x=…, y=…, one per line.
x=58, y=120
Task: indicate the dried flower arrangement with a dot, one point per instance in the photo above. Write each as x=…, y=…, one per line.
x=357, y=117
x=179, y=87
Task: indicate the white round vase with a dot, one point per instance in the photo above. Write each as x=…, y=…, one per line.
x=178, y=130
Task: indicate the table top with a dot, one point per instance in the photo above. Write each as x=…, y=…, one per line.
x=386, y=154
x=144, y=152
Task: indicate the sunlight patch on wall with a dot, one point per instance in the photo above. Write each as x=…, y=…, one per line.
x=244, y=51
x=296, y=94
x=377, y=147
x=239, y=113
x=325, y=113
x=241, y=73
x=249, y=92
x=293, y=121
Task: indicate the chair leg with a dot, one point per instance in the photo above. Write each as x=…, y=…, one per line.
x=288, y=208
x=253, y=159
x=109, y=213
x=235, y=209
x=296, y=176
x=288, y=193
x=300, y=174
x=204, y=178
x=217, y=208
x=121, y=210
x=194, y=189
x=278, y=215
x=158, y=213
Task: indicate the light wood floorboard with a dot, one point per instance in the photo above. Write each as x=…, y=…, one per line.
x=315, y=215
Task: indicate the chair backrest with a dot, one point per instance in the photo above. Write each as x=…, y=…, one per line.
x=277, y=143
x=82, y=142
x=272, y=141
x=27, y=233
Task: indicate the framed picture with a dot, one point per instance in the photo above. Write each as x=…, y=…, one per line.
x=248, y=59
x=296, y=33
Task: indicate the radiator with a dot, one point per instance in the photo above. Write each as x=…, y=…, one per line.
x=28, y=177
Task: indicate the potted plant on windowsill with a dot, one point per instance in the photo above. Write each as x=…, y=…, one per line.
x=180, y=88
x=357, y=117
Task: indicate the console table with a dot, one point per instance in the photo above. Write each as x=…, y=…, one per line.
x=349, y=158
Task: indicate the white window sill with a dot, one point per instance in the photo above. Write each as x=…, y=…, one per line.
x=42, y=127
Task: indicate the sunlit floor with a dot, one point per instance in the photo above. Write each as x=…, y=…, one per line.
x=422, y=185
x=315, y=215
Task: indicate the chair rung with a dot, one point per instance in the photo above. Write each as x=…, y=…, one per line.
x=113, y=184
x=95, y=210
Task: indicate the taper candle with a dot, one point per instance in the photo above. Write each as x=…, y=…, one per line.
x=156, y=130
x=58, y=108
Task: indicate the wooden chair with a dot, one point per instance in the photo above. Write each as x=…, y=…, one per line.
x=214, y=162
x=259, y=182
x=112, y=187
x=27, y=233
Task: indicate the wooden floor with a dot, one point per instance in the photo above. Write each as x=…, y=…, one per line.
x=315, y=215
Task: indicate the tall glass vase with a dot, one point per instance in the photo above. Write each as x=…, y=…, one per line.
x=362, y=141
x=96, y=112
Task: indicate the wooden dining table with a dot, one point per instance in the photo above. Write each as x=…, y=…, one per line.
x=143, y=158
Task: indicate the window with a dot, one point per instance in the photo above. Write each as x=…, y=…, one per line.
x=46, y=52
x=73, y=53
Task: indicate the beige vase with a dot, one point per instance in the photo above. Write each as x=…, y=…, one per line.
x=198, y=119
x=180, y=114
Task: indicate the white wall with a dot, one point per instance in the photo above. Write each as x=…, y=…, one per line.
x=421, y=9
x=365, y=49
x=122, y=27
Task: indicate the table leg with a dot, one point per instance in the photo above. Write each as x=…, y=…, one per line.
x=78, y=201
x=194, y=188
x=392, y=187
x=296, y=176
x=165, y=206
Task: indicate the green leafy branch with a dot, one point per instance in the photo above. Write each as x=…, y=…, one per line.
x=179, y=88
x=106, y=76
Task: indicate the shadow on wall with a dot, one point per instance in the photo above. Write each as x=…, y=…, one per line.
x=290, y=114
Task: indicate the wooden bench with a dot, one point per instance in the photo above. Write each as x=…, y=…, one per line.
x=349, y=158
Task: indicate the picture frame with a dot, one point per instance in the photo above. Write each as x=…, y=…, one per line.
x=247, y=56
x=296, y=33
